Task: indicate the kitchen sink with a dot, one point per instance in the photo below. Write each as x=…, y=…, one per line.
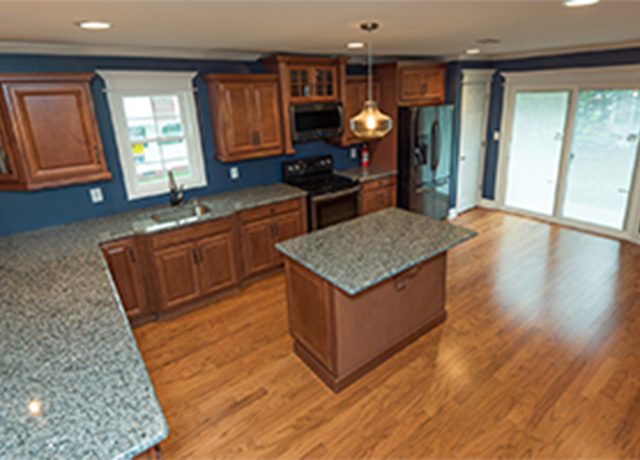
x=180, y=213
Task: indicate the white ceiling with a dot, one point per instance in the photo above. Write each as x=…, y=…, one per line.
x=420, y=28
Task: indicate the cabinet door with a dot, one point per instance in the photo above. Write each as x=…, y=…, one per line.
x=286, y=226
x=122, y=259
x=257, y=246
x=236, y=105
x=216, y=263
x=375, y=200
x=325, y=83
x=267, y=116
x=299, y=83
x=177, y=271
x=422, y=84
x=56, y=130
x=8, y=166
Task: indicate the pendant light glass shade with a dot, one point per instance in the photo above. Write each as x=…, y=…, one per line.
x=370, y=124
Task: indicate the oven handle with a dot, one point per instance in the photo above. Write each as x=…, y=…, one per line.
x=338, y=194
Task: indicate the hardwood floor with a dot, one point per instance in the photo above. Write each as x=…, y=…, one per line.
x=539, y=357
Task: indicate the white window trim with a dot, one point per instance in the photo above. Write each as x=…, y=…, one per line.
x=149, y=83
x=572, y=80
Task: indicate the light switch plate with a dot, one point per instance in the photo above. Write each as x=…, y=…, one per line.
x=96, y=195
x=234, y=173
x=353, y=153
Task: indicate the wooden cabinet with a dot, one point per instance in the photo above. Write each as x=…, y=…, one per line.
x=216, y=263
x=303, y=80
x=193, y=262
x=246, y=116
x=422, y=84
x=263, y=227
x=123, y=259
x=177, y=271
x=313, y=83
x=48, y=132
x=356, y=94
x=377, y=194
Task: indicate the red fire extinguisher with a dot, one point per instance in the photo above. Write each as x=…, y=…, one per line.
x=364, y=156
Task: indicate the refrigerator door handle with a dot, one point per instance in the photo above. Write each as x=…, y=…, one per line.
x=435, y=145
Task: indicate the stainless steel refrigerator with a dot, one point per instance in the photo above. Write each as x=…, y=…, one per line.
x=425, y=138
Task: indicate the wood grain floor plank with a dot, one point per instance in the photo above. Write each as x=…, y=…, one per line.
x=539, y=358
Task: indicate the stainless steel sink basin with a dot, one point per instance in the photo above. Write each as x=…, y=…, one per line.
x=186, y=211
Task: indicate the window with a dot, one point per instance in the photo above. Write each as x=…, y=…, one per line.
x=156, y=126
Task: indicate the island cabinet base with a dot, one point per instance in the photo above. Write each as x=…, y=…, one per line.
x=342, y=337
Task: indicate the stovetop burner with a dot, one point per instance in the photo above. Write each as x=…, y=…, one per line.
x=315, y=175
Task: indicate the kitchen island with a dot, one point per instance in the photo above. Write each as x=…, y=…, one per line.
x=360, y=291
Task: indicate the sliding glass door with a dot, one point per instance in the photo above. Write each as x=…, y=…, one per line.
x=602, y=157
x=572, y=154
x=539, y=119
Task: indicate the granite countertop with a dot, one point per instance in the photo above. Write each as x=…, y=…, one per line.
x=371, y=173
x=363, y=252
x=65, y=342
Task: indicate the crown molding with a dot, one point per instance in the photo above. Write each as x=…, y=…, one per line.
x=75, y=49
x=568, y=50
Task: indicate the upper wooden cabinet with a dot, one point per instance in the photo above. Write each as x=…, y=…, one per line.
x=48, y=132
x=303, y=80
x=421, y=84
x=246, y=116
x=356, y=94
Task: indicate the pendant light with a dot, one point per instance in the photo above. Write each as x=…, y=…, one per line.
x=370, y=124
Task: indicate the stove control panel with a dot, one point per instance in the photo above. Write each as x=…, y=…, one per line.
x=307, y=167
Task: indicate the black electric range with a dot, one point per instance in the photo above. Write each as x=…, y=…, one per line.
x=331, y=198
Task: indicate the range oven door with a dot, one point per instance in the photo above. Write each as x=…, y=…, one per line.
x=332, y=208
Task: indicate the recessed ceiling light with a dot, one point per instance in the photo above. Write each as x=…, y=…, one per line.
x=473, y=51
x=355, y=45
x=578, y=3
x=94, y=25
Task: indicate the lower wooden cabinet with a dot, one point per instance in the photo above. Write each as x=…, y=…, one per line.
x=217, y=268
x=377, y=195
x=177, y=271
x=180, y=268
x=124, y=263
x=195, y=262
x=263, y=227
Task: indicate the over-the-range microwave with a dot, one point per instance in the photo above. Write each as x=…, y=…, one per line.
x=316, y=121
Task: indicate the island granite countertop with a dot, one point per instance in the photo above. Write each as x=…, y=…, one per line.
x=371, y=173
x=73, y=382
x=360, y=253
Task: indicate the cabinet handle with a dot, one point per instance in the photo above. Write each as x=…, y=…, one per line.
x=200, y=256
x=423, y=88
x=132, y=256
x=276, y=230
x=273, y=230
x=195, y=255
x=96, y=152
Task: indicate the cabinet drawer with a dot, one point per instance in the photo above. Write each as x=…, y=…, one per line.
x=269, y=210
x=379, y=183
x=191, y=232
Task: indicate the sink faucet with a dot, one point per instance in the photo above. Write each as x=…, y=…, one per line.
x=176, y=194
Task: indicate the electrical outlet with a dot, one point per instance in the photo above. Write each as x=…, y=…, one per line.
x=496, y=135
x=234, y=173
x=353, y=153
x=96, y=195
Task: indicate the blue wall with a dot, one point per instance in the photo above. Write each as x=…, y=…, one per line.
x=21, y=211
x=626, y=56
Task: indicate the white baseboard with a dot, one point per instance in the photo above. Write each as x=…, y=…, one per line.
x=488, y=204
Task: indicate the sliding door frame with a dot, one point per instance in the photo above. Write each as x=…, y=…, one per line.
x=572, y=80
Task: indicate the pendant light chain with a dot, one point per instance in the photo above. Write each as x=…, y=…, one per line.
x=370, y=65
